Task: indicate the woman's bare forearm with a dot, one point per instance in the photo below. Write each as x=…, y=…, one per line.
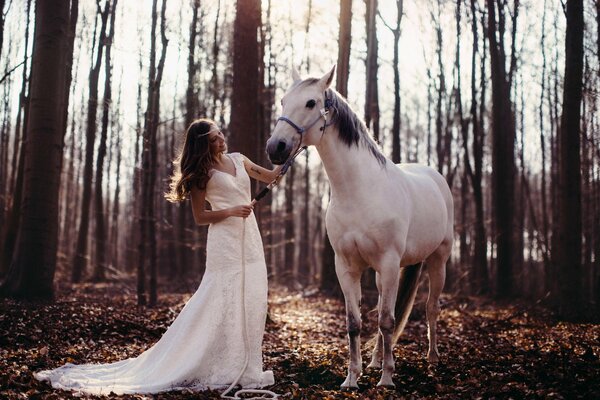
x=211, y=217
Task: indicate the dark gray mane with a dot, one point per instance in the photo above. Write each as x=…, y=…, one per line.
x=352, y=130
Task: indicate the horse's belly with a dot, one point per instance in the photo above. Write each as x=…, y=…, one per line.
x=424, y=238
x=379, y=245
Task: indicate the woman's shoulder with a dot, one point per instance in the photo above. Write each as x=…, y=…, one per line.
x=237, y=156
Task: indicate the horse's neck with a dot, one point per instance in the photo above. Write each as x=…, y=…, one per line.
x=349, y=168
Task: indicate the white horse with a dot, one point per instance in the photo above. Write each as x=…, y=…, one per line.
x=389, y=217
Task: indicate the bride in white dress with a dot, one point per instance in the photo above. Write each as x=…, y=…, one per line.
x=204, y=346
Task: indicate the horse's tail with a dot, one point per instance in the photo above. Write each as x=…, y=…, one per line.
x=407, y=291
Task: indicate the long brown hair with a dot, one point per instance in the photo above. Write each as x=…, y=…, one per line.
x=192, y=165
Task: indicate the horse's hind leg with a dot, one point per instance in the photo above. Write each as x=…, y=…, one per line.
x=436, y=270
x=350, y=284
x=378, y=349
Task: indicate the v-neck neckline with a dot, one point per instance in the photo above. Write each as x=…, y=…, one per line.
x=234, y=168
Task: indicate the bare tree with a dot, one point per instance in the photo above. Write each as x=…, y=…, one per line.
x=147, y=245
x=80, y=256
x=114, y=224
x=329, y=283
x=245, y=107
x=543, y=188
x=503, y=138
x=344, y=42
x=397, y=121
x=33, y=265
x=568, y=249
x=372, y=93
x=99, y=273
x=1, y=24
x=18, y=165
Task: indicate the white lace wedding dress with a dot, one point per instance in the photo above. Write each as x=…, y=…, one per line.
x=203, y=348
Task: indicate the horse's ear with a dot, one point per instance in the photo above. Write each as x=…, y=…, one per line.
x=328, y=78
x=295, y=74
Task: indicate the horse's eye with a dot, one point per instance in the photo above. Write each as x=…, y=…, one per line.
x=310, y=104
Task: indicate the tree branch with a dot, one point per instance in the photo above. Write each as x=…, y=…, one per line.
x=7, y=74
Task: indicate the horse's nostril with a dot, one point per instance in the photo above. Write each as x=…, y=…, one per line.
x=281, y=147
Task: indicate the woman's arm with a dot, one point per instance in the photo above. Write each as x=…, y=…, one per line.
x=259, y=173
x=202, y=216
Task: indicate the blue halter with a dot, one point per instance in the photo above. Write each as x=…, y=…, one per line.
x=323, y=114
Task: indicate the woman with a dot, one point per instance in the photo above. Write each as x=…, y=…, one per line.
x=204, y=347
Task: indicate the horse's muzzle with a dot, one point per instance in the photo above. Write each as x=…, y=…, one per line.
x=278, y=151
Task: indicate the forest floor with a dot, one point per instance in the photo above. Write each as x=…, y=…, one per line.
x=487, y=350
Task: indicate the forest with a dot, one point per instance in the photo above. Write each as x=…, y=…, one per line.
x=500, y=96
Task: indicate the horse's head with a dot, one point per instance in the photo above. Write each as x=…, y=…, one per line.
x=302, y=117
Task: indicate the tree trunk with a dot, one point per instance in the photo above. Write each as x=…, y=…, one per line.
x=4, y=140
x=503, y=173
x=245, y=107
x=344, y=42
x=18, y=164
x=568, y=250
x=80, y=257
x=114, y=225
x=149, y=167
x=480, y=275
x=99, y=273
x=1, y=24
x=441, y=151
x=397, y=121
x=372, y=94
x=289, y=230
x=32, y=269
x=329, y=283
x=543, y=190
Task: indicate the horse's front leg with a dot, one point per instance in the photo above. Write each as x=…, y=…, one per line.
x=390, y=275
x=350, y=283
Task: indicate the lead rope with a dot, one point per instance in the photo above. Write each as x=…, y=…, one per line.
x=263, y=393
x=272, y=395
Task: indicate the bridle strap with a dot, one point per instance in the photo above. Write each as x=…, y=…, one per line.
x=298, y=128
x=322, y=114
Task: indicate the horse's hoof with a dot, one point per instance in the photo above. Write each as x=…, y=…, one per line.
x=374, y=364
x=349, y=385
x=349, y=388
x=433, y=358
x=387, y=385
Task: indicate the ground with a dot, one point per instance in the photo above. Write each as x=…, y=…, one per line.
x=487, y=350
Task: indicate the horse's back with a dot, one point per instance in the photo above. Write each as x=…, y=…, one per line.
x=422, y=175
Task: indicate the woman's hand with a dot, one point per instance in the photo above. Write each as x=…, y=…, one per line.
x=240, y=211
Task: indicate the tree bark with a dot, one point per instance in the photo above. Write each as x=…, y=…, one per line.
x=441, y=151
x=1, y=25
x=568, y=250
x=480, y=274
x=148, y=247
x=397, y=121
x=329, y=283
x=245, y=107
x=503, y=173
x=99, y=273
x=33, y=265
x=18, y=164
x=344, y=42
x=372, y=94
x=80, y=257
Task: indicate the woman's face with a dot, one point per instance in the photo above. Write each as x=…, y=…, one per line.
x=216, y=141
